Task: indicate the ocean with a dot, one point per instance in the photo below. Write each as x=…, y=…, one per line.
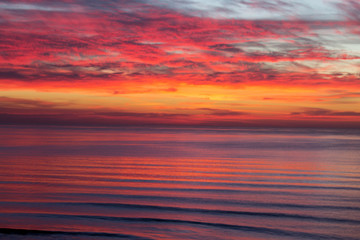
x=179, y=183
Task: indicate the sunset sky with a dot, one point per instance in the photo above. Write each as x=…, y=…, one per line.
x=226, y=63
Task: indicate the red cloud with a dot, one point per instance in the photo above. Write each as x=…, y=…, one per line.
x=119, y=46
x=148, y=41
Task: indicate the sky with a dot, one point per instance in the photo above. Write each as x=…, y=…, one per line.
x=221, y=63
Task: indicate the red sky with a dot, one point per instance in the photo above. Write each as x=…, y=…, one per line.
x=192, y=63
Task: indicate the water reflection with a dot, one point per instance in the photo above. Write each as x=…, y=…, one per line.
x=179, y=183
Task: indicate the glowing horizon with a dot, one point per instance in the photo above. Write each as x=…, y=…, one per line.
x=184, y=63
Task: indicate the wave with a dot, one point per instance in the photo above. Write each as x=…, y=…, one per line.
x=226, y=202
x=226, y=212
x=207, y=183
x=242, y=228
x=31, y=232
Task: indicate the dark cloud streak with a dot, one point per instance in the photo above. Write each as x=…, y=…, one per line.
x=325, y=112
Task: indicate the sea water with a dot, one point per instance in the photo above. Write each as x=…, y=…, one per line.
x=179, y=183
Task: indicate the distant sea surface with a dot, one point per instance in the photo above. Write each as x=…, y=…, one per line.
x=166, y=183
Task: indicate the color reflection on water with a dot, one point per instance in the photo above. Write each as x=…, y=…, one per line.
x=137, y=183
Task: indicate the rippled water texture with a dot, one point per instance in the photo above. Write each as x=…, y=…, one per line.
x=138, y=183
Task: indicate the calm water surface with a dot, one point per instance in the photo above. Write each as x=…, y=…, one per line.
x=138, y=183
